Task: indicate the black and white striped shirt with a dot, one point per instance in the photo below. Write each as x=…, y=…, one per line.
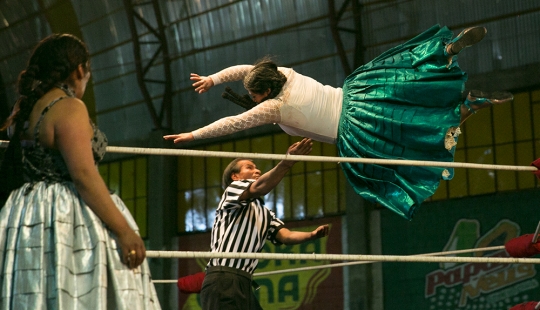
x=242, y=226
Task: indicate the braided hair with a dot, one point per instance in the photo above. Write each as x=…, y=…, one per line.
x=242, y=100
x=51, y=63
x=265, y=75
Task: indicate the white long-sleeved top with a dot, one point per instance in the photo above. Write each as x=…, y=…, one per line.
x=304, y=108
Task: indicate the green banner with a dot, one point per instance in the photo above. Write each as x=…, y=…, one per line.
x=458, y=225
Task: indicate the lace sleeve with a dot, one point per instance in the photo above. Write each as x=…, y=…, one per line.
x=230, y=74
x=266, y=112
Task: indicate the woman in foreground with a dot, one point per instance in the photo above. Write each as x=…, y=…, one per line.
x=65, y=241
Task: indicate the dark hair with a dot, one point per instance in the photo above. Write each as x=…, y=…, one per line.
x=265, y=75
x=242, y=100
x=52, y=61
x=231, y=168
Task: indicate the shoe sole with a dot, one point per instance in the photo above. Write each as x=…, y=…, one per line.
x=500, y=96
x=468, y=37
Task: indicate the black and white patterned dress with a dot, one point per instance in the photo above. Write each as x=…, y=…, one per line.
x=55, y=253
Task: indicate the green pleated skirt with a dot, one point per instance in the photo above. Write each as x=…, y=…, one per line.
x=401, y=106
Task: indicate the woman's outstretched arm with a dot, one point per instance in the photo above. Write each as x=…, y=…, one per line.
x=266, y=112
x=235, y=73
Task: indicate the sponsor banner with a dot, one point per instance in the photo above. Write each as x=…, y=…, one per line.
x=491, y=221
x=293, y=290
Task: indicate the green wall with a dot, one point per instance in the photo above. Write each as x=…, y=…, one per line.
x=482, y=221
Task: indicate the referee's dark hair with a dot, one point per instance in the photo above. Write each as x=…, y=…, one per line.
x=232, y=167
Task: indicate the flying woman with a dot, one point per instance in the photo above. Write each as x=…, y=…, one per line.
x=404, y=104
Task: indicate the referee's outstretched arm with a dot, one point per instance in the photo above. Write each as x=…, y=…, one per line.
x=289, y=237
x=268, y=181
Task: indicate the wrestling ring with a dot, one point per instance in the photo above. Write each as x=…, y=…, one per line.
x=345, y=259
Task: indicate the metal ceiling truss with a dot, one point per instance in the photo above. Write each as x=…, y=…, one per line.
x=161, y=119
x=336, y=16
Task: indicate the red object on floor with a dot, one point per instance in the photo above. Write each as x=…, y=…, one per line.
x=522, y=246
x=525, y=306
x=536, y=163
x=192, y=283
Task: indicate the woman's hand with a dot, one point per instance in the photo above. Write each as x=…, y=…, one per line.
x=202, y=83
x=181, y=137
x=132, y=247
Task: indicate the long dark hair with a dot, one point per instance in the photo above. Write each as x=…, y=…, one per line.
x=265, y=75
x=52, y=61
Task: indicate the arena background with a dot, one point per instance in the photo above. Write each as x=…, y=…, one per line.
x=142, y=55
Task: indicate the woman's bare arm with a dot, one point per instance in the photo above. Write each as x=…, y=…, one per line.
x=72, y=137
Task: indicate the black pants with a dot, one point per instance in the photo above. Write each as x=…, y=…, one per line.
x=226, y=288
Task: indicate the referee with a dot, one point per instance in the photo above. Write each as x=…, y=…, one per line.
x=243, y=224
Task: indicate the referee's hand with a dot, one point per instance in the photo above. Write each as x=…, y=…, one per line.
x=303, y=147
x=320, y=232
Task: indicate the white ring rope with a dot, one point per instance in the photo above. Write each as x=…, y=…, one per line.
x=381, y=258
x=343, y=257
x=501, y=247
x=311, y=158
x=266, y=273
